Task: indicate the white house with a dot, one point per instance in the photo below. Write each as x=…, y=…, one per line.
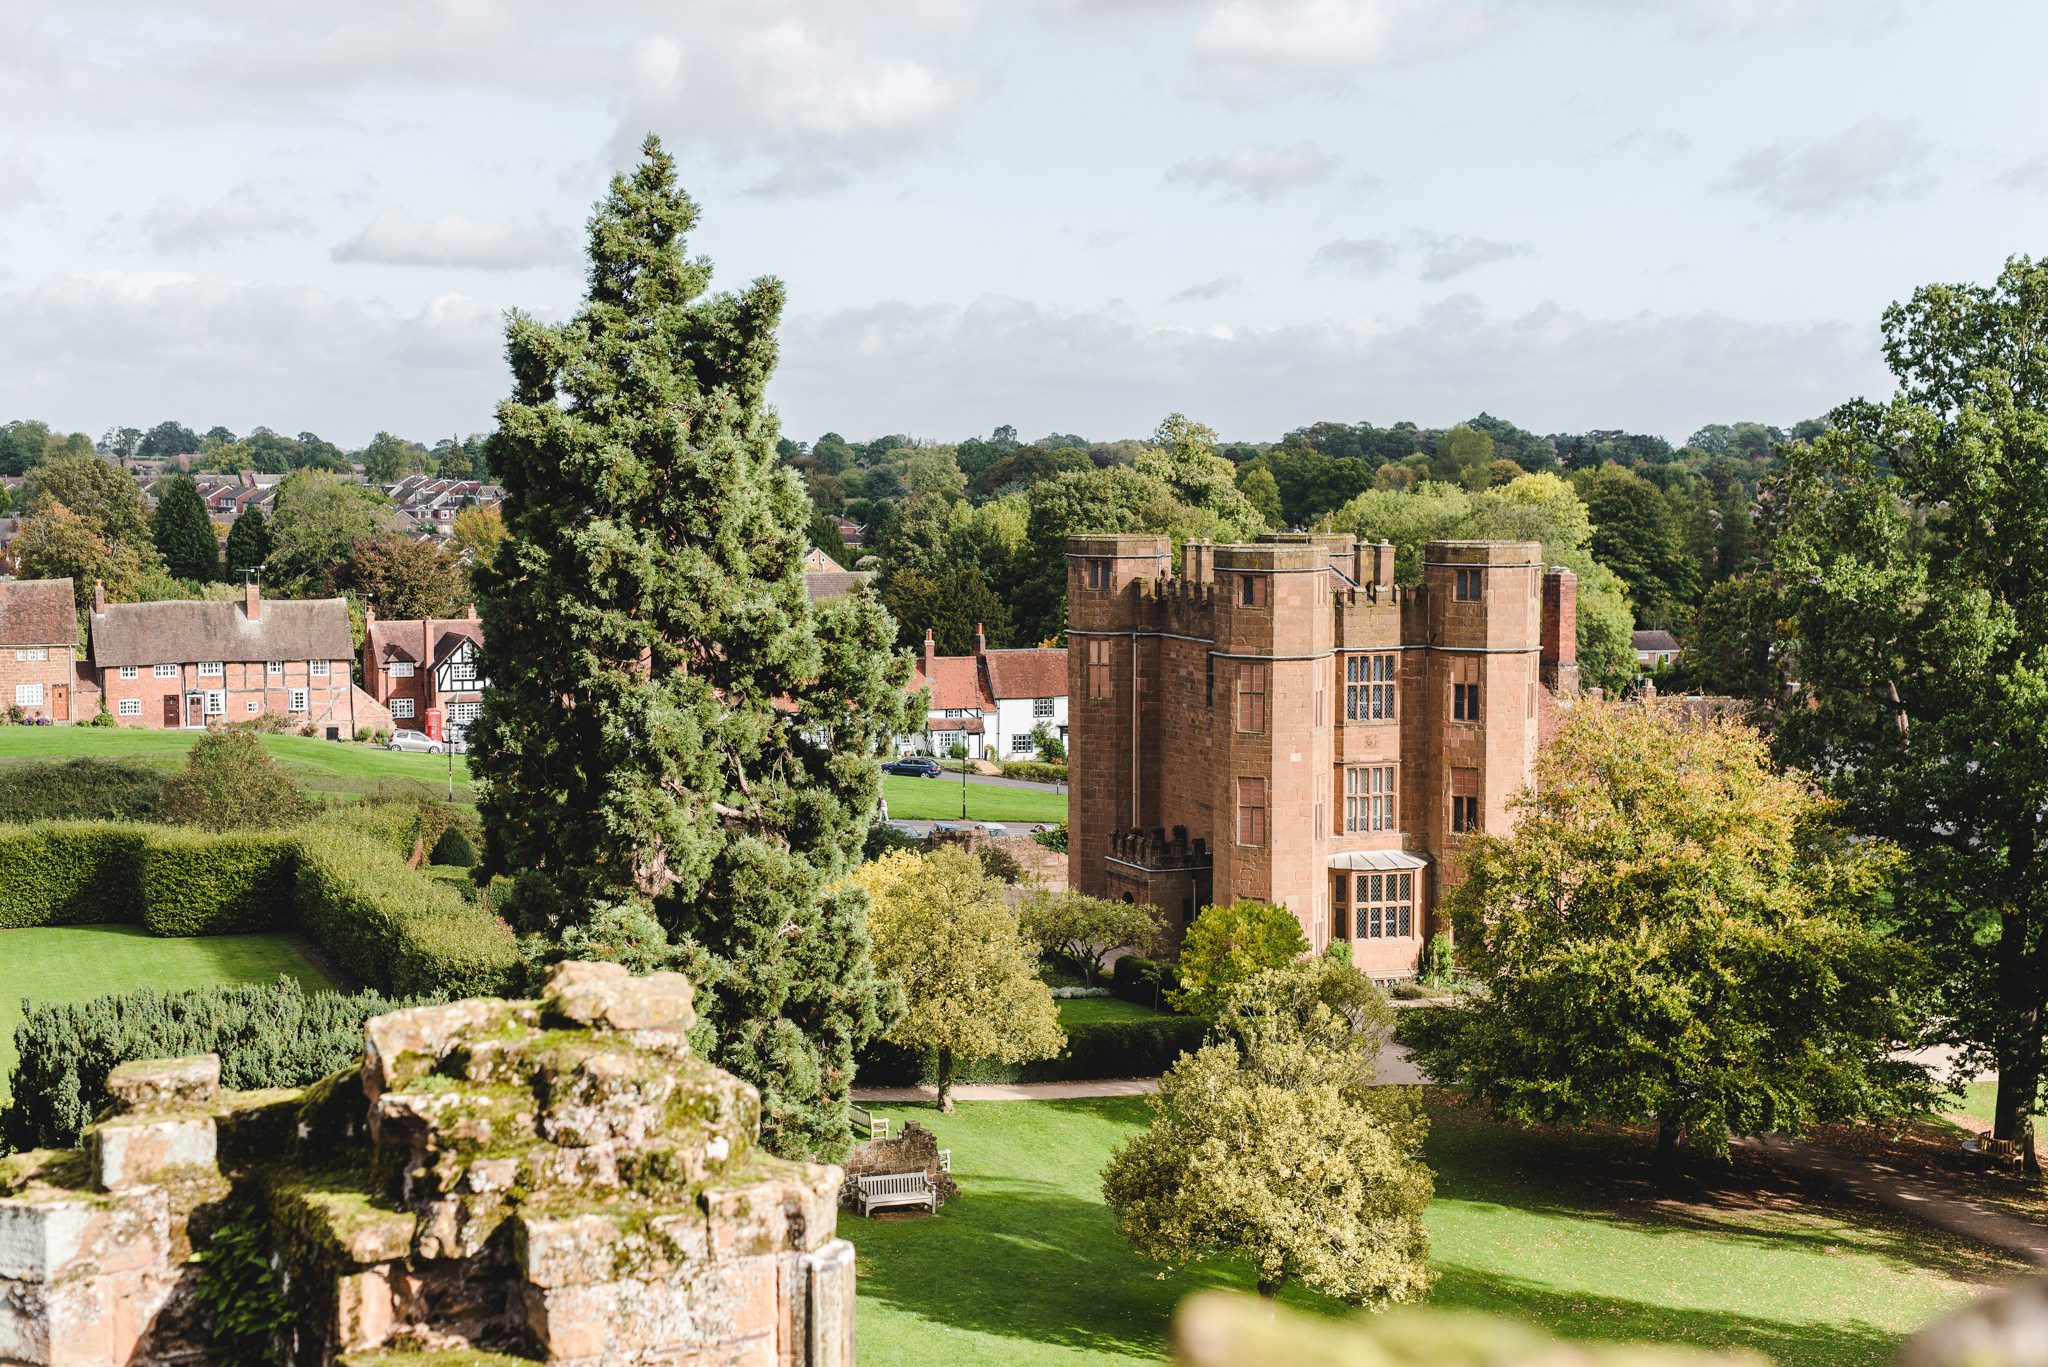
x=991, y=701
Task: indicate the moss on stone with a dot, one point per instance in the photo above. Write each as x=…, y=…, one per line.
x=431, y=1357
x=340, y=1212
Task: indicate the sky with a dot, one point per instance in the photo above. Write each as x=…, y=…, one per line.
x=1062, y=215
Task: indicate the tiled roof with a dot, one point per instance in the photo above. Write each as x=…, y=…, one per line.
x=38, y=612
x=1027, y=673
x=824, y=585
x=970, y=725
x=400, y=639
x=1655, y=640
x=955, y=681
x=183, y=632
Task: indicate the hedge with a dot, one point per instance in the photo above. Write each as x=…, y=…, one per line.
x=395, y=928
x=389, y=925
x=81, y=790
x=1033, y=771
x=1096, y=1049
x=1144, y=981
x=273, y=1035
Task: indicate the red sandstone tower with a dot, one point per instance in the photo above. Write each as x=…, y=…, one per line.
x=1280, y=720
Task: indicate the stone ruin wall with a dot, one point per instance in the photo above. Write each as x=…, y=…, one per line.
x=557, y=1180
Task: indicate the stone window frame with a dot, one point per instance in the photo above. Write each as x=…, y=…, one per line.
x=1097, y=576
x=1371, y=798
x=1097, y=665
x=1465, y=801
x=1254, y=677
x=1255, y=590
x=1382, y=903
x=1252, y=797
x=1468, y=586
x=1465, y=702
x=1371, y=686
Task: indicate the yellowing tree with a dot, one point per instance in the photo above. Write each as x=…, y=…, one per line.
x=969, y=973
x=1088, y=929
x=1229, y=944
x=1271, y=1143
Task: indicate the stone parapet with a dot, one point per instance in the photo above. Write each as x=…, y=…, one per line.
x=558, y=1180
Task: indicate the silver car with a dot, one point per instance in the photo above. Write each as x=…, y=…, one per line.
x=416, y=741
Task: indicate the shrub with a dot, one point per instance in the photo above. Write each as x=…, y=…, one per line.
x=1438, y=965
x=453, y=849
x=231, y=783
x=999, y=864
x=1148, y=982
x=1053, y=837
x=81, y=790
x=886, y=839
x=1033, y=771
x=267, y=1035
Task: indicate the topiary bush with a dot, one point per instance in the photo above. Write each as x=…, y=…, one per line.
x=453, y=849
x=267, y=1035
x=81, y=790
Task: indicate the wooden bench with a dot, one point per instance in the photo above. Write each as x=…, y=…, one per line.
x=867, y=1125
x=894, y=1189
x=2003, y=1152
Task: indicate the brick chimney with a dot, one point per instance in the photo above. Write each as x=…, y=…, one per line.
x=980, y=640
x=99, y=598
x=931, y=654
x=1383, y=566
x=1560, y=657
x=252, y=600
x=470, y=612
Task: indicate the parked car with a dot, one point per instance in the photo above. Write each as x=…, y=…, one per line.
x=994, y=828
x=416, y=741
x=916, y=766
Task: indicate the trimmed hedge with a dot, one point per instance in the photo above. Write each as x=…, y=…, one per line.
x=389, y=925
x=394, y=927
x=273, y=1035
x=81, y=790
x=1034, y=771
x=1097, y=1049
x=199, y=884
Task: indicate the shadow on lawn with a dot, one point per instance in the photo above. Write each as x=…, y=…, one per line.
x=1610, y=1178
x=1585, y=1318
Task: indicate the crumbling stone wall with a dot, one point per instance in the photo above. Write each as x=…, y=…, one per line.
x=557, y=1180
x=915, y=1150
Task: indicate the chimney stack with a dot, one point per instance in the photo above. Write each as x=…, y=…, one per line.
x=1383, y=566
x=470, y=612
x=931, y=654
x=980, y=640
x=1560, y=658
x=99, y=598
x=252, y=600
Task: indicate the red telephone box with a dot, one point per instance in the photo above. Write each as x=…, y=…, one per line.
x=433, y=723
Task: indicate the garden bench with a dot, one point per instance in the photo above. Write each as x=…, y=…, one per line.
x=894, y=1189
x=2004, y=1152
x=868, y=1125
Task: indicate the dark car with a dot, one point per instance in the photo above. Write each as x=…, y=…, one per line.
x=917, y=766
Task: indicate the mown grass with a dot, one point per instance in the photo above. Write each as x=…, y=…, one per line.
x=1087, y=1010
x=332, y=768
x=76, y=963
x=1025, y=1266
x=936, y=799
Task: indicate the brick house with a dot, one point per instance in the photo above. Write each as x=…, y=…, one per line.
x=428, y=673
x=1281, y=721
x=990, y=701
x=39, y=649
x=176, y=665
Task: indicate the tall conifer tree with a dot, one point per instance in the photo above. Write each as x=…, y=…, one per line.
x=675, y=734
x=183, y=534
x=248, y=545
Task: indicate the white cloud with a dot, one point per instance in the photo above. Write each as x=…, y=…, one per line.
x=175, y=225
x=1445, y=256
x=1355, y=255
x=1873, y=162
x=895, y=366
x=2028, y=175
x=21, y=180
x=1659, y=144
x=1288, y=39
x=1221, y=287
x=395, y=238
x=1256, y=170
x=160, y=344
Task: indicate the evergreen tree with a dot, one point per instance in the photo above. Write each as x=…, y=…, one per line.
x=675, y=731
x=248, y=544
x=183, y=534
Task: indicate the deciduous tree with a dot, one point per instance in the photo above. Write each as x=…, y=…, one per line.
x=1674, y=930
x=673, y=726
x=231, y=783
x=1089, y=929
x=404, y=578
x=102, y=494
x=1270, y=1143
x=1228, y=944
x=1914, y=573
x=969, y=971
x=317, y=519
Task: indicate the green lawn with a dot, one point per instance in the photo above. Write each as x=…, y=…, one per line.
x=74, y=963
x=319, y=766
x=1026, y=1268
x=934, y=799
x=1086, y=1010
